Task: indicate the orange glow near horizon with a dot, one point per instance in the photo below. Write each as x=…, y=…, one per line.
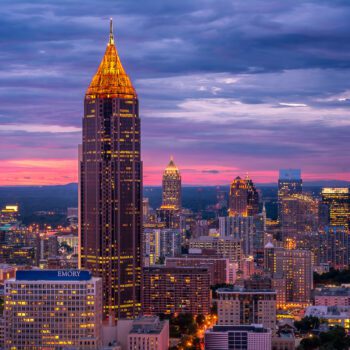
x=26, y=172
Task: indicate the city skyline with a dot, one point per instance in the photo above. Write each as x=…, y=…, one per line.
x=253, y=89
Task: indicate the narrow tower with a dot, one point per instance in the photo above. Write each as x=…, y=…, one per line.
x=171, y=187
x=111, y=186
x=252, y=197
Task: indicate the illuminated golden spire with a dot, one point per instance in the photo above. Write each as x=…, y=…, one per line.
x=111, y=35
x=110, y=80
x=171, y=166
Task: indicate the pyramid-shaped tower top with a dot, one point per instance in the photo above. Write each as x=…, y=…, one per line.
x=171, y=166
x=110, y=80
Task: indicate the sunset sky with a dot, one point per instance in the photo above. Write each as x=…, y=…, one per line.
x=225, y=86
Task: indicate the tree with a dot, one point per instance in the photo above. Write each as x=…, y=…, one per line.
x=335, y=339
x=307, y=324
x=310, y=343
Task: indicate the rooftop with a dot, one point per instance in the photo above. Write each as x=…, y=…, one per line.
x=147, y=325
x=337, y=291
x=53, y=275
x=256, y=328
x=328, y=311
x=236, y=289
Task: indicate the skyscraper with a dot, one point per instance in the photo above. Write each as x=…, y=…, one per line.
x=111, y=186
x=334, y=247
x=289, y=183
x=338, y=202
x=239, y=227
x=296, y=267
x=298, y=215
x=171, y=186
x=252, y=198
x=238, y=201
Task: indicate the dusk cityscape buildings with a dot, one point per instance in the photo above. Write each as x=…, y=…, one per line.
x=163, y=260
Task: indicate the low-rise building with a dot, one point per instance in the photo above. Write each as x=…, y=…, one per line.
x=337, y=296
x=334, y=315
x=143, y=333
x=240, y=306
x=248, y=337
x=6, y=272
x=148, y=333
x=284, y=341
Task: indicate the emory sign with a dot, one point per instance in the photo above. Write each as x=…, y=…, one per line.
x=53, y=275
x=69, y=273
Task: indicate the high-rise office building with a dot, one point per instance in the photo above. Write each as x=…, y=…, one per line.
x=334, y=247
x=228, y=247
x=9, y=215
x=252, y=197
x=238, y=200
x=171, y=186
x=338, y=202
x=298, y=216
x=219, y=268
x=239, y=227
x=289, y=183
x=243, y=198
x=297, y=269
x=171, y=290
x=241, y=306
x=53, y=309
x=169, y=216
x=145, y=209
x=161, y=243
x=111, y=186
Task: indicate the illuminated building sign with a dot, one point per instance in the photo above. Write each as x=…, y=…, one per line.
x=53, y=275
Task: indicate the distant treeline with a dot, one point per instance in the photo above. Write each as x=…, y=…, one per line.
x=332, y=277
x=32, y=199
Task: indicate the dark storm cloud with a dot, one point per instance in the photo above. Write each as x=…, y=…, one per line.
x=250, y=82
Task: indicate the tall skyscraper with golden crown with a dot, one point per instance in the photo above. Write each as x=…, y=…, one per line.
x=111, y=186
x=171, y=187
x=244, y=198
x=238, y=200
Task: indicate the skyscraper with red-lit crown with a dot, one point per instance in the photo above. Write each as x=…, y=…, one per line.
x=111, y=186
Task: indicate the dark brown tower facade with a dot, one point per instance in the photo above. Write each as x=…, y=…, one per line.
x=111, y=187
